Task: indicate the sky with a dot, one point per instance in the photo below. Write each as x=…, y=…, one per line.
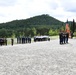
x=23, y=9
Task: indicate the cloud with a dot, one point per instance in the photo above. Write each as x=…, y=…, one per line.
x=22, y=9
x=36, y=7
x=69, y=5
x=4, y=3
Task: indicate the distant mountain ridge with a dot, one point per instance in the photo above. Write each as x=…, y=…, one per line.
x=37, y=25
x=36, y=20
x=44, y=19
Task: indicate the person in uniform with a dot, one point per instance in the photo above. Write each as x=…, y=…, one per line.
x=67, y=36
x=64, y=37
x=61, y=37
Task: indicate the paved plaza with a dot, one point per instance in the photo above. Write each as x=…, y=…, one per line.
x=40, y=58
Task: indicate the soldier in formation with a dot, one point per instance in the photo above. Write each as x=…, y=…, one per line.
x=63, y=37
x=23, y=40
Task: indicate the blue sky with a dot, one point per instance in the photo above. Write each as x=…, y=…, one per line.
x=22, y=9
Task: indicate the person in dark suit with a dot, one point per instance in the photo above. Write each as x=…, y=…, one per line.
x=61, y=37
x=64, y=37
x=71, y=35
x=26, y=39
x=29, y=39
x=67, y=36
x=12, y=42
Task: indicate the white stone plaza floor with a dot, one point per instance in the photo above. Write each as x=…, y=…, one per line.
x=40, y=58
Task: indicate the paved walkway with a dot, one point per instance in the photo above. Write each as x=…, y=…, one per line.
x=40, y=58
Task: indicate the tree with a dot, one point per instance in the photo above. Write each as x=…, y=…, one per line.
x=67, y=21
x=3, y=33
x=53, y=32
x=34, y=31
x=13, y=34
x=73, y=26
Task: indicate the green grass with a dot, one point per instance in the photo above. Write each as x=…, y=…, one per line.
x=54, y=37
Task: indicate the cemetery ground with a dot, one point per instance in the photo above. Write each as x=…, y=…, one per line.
x=39, y=58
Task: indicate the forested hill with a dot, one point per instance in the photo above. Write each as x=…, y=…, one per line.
x=37, y=20
x=42, y=20
x=37, y=25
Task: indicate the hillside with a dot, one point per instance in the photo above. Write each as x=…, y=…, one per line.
x=30, y=26
x=37, y=20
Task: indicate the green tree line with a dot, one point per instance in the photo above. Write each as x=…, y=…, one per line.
x=27, y=32
x=38, y=25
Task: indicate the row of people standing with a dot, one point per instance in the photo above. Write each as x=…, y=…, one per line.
x=63, y=37
x=23, y=40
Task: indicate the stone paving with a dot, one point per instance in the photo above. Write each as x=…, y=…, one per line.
x=40, y=58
